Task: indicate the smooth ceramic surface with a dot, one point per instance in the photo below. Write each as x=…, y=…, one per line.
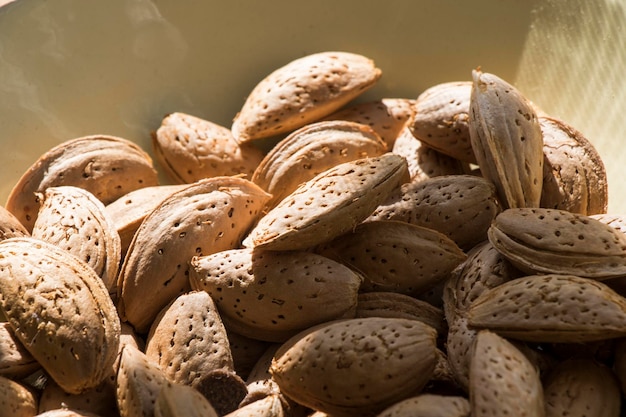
x=70, y=68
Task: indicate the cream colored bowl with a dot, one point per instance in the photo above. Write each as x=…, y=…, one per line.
x=70, y=68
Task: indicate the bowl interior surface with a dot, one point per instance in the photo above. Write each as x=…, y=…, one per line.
x=71, y=68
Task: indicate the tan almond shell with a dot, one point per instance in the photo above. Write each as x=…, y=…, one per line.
x=459, y=347
x=395, y=256
x=128, y=211
x=60, y=310
x=551, y=308
x=75, y=220
x=424, y=161
x=311, y=150
x=178, y=400
x=205, y=217
x=272, y=295
x=16, y=399
x=303, y=91
x=269, y=406
x=139, y=382
x=507, y=140
x=387, y=116
x=391, y=304
x=10, y=226
x=461, y=207
x=16, y=362
x=67, y=412
x=441, y=119
x=574, y=176
x=429, y=405
x=556, y=241
x=502, y=380
x=188, y=339
x=107, y=166
x=330, y=204
x=99, y=400
x=616, y=221
x=582, y=386
x=356, y=366
x=190, y=148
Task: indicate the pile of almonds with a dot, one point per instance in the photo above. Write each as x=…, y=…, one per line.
x=448, y=255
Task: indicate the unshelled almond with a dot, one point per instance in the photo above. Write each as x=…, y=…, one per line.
x=16, y=400
x=303, y=91
x=271, y=295
x=16, y=362
x=356, y=366
x=60, y=310
x=10, y=226
x=330, y=204
x=429, y=405
x=178, y=400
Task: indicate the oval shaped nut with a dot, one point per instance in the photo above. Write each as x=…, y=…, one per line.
x=616, y=221
x=395, y=256
x=98, y=401
x=507, y=140
x=270, y=406
x=178, y=400
x=551, y=308
x=388, y=116
x=459, y=344
x=502, y=380
x=16, y=362
x=582, y=386
x=190, y=148
x=425, y=162
x=311, y=150
x=10, y=226
x=429, y=405
x=441, y=119
x=303, y=91
x=330, y=204
x=106, y=166
x=66, y=412
x=128, y=211
x=16, y=399
x=574, y=176
x=461, y=207
x=188, y=339
x=356, y=366
x=271, y=295
x=208, y=216
x=75, y=220
x=60, y=310
x=556, y=241
x=139, y=383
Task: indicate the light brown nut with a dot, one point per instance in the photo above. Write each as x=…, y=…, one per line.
x=10, y=226
x=311, y=150
x=429, y=405
x=205, y=217
x=190, y=148
x=390, y=304
x=461, y=207
x=330, y=204
x=67, y=412
x=75, y=220
x=269, y=406
x=502, y=380
x=99, y=400
x=425, y=162
x=441, y=119
x=388, y=116
x=574, y=176
x=16, y=362
x=507, y=140
x=60, y=310
x=106, y=166
x=178, y=400
x=272, y=295
x=556, y=241
x=188, y=342
x=16, y=400
x=128, y=211
x=395, y=256
x=459, y=344
x=356, y=366
x=551, y=308
x=139, y=382
x=303, y=91
x=616, y=221
x=582, y=387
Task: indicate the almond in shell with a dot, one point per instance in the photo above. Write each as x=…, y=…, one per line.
x=10, y=226
x=16, y=399
x=15, y=360
x=178, y=400
x=303, y=91
x=429, y=405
